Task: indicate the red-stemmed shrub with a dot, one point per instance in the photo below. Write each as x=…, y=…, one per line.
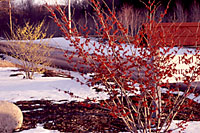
x=135, y=72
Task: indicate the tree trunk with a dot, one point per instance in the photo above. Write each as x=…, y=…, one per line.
x=69, y=15
x=10, y=14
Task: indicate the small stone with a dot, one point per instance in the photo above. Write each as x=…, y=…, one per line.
x=11, y=117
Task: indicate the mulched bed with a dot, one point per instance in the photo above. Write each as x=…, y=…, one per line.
x=68, y=117
x=73, y=116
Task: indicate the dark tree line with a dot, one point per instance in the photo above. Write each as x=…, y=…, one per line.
x=83, y=14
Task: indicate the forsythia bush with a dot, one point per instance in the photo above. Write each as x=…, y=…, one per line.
x=32, y=55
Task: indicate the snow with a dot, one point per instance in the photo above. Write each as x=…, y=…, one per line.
x=190, y=96
x=39, y=129
x=16, y=88
x=192, y=127
x=62, y=43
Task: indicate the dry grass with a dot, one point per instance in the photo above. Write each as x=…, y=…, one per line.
x=4, y=63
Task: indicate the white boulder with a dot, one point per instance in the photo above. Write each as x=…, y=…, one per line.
x=11, y=117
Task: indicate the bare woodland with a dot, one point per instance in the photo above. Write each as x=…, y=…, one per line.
x=131, y=14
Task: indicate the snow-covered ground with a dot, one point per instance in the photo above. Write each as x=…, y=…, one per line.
x=62, y=43
x=16, y=88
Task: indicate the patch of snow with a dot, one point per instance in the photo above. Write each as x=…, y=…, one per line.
x=16, y=88
x=39, y=129
x=192, y=127
x=62, y=43
x=191, y=96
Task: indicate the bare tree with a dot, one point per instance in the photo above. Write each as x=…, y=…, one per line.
x=195, y=12
x=131, y=18
x=180, y=14
x=10, y=16
x=6, y=5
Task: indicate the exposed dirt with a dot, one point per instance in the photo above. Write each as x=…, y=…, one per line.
x=73, y=116
x=68, y=117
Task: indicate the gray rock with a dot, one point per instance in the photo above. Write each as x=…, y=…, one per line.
x=11, y=117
